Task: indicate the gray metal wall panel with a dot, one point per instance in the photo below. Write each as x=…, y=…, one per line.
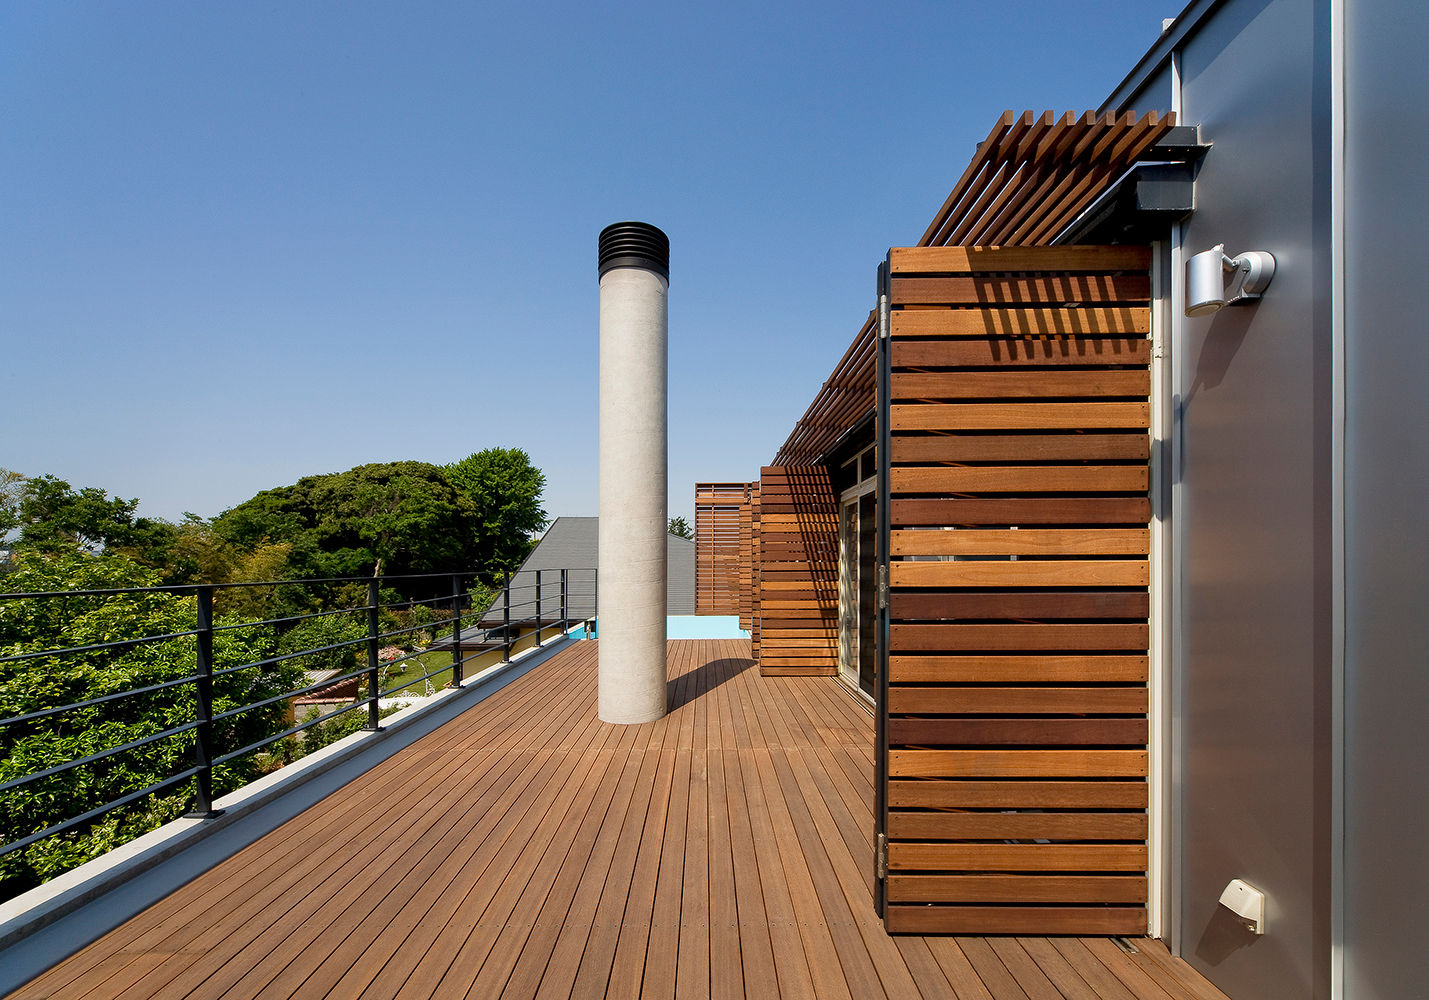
x=680, y=579
x=1387, y=480
x=1154, y=94
x=1256, y=403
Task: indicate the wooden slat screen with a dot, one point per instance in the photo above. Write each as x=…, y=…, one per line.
x=746, y=558
x=718, y=546
x=754, y=568
x=1028, y=181
x=798, y=571
x=1018, y=572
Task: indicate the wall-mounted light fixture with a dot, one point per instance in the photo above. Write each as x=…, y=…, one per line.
x=1206, y=279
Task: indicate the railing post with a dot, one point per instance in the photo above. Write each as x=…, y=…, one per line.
x=203, y=696
x=563, y=600
x=506, y=620
x=538, y=607
x=374, y=594
x=456, y=631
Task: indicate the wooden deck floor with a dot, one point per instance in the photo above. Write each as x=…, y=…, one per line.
x=527, y=849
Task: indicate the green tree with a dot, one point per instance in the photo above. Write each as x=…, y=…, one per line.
x=503, y=491
x=55, y=517
x=12, y=491
x=31, y=685
x=679, y=526
x=405, y=514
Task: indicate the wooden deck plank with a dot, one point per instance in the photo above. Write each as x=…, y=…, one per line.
x=528, y=849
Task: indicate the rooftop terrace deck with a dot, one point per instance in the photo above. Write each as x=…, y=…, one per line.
x=527, y=849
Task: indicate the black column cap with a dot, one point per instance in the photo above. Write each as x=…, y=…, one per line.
x=634, y=244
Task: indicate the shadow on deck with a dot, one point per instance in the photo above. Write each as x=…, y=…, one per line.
x=527, y=849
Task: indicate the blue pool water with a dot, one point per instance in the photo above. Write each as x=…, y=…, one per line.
x=694, y=627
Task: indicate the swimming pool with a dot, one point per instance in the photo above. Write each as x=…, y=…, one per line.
x=695, y=627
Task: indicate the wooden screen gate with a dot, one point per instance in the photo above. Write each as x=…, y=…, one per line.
x=797, y=577
x=1014, y=389
x=721, y=537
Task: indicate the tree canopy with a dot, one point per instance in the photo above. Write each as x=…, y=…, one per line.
x=28, y=685
x=504, y=492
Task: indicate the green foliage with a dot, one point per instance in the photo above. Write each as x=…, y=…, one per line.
x=66, y=621
x=330, y=731
x=679, y=526
x=503, y=490
x=328, y=630
x=12, y=491
x=404, y=514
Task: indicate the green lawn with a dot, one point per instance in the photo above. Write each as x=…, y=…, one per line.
x=416, y=667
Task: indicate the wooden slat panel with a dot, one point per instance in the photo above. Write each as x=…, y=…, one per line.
x=1030, y=604
x=1005, y=292
x=1024, y=573
x=1105, y=321
x=1069, y=669
x=798, y=562
x=718, y=546
x=1017, y=794
x=1021, y=385
x=1019, y=510
x=1017, y=700
x=1017, y=732
x=1020, y=448
x=1018, y=642
x=1039, y=352
x=1026, y=542
x=975, y=260
x=1021, y=479
x=1015, y=920
x=1017, y=826
x=1019, y=416
x=1018, y=857
x=1052, y=637
x=1017, y=888
x=1018, y=763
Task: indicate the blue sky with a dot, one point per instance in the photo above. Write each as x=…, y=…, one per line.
x=243, y=243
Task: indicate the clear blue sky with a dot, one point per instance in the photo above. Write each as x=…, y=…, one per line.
x=243, y=243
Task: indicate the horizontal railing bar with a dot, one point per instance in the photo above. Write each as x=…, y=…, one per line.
x=274, y=660
x=296, y=692
x=141, y=641
x=97, y=701
x=94, y=757
x=83, y=818
x=260, y=744
x=291, y=618
x=187, y=588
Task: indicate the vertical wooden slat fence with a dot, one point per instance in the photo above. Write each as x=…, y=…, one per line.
x=1016, y=709
x=798, y=571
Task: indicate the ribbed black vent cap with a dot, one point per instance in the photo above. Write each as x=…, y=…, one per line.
x=634, y=244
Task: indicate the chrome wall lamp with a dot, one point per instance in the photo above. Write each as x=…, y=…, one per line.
x=1206, y=289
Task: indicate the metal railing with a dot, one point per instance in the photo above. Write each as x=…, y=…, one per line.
x=531, y=601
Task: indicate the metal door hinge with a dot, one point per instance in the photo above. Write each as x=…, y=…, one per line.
x=883, y=317
x=882, y=587
x=880, y=862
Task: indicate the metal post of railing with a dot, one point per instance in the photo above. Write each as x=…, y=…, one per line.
x=456, y=631
x=538, y=607
x=374, y=593
x=203, y=712
x=563, y=600
x=506, y=620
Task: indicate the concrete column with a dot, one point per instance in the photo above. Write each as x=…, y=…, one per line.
x=634, y=284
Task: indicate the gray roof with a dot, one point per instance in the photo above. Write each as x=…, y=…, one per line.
x=570, y=544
